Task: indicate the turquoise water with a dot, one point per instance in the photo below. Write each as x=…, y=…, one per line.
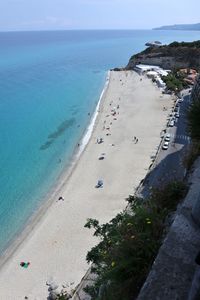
x=49, y=82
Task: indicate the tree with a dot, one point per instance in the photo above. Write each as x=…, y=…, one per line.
x=194, y=119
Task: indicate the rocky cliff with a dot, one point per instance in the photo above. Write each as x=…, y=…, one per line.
x=173, y=56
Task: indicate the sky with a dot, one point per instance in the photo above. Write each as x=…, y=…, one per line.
x=95, y=14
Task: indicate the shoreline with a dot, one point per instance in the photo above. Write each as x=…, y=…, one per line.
x=90, y=128
x=39, y=214
x=66, y=256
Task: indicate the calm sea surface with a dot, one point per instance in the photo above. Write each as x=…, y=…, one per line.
x=49, y=81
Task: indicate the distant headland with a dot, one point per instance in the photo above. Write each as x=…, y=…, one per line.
x=179, y=27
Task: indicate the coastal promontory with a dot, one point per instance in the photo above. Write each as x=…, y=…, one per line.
x=173, y=56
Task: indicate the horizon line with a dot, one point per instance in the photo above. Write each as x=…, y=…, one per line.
x=98, y=29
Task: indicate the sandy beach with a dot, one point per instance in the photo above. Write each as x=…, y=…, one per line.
x=132, y=106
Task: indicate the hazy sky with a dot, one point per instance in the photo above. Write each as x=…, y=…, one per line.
x=95, y=14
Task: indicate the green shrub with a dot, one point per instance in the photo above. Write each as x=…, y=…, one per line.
x=195, y=44
x=192, y=154
x=129, y=244
x=174, y=81
x=168, y=198
x=194, y=119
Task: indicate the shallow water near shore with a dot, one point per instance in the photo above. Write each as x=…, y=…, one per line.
x=50, y=83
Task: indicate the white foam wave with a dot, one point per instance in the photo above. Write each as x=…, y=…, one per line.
x=89, y=130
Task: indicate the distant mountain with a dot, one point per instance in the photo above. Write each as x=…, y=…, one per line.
x=180, y=27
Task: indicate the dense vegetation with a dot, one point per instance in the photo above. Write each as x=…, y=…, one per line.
x=195, y=44
x=194, y=119
x=175, y=81
x=192, y=154
x=129, y=244
x=181, y=47
x=194, y=131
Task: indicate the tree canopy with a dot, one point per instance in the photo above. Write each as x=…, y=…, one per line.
x=194, y=119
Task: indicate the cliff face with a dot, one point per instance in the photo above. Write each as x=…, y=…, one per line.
x=173, y=56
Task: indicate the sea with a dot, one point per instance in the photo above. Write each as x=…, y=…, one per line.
x=50, y=84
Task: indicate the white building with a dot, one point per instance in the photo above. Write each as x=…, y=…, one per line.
x=160, y=83
x=154, y=72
